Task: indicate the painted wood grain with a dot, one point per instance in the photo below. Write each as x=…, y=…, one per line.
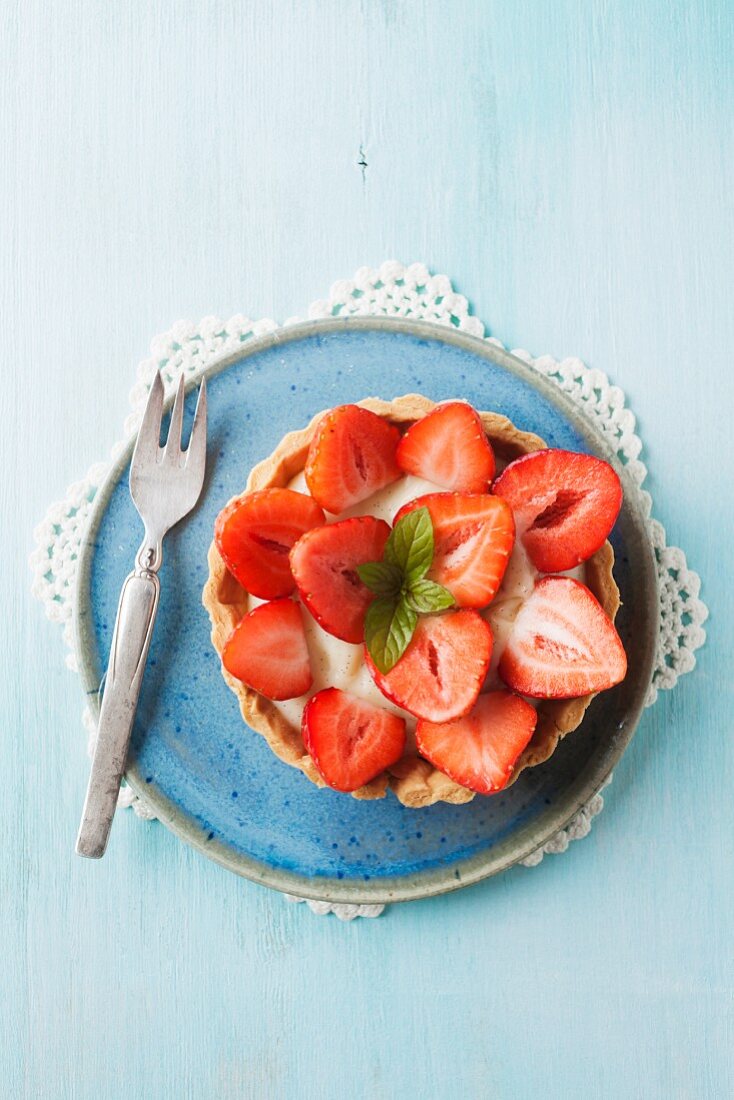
x=570, y=164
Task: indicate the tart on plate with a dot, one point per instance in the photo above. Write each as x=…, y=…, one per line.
x=416, y=596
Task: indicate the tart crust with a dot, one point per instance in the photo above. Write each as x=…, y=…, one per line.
x=416, y=783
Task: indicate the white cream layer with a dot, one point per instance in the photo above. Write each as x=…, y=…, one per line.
x=341, y=665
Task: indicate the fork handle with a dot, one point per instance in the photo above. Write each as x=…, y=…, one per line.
x=130, y=642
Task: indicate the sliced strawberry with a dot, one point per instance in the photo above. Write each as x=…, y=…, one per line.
x=442, y=671
x=350, y=741
x=450, y=448
x=562, y=644
x=324, y=562
x=267, y=650
x=473, y=538
x=351, y=456
x=565, y=505
x=255, y=533
x=479, y=751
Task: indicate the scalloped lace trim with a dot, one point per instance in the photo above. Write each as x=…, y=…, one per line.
x=392, y=290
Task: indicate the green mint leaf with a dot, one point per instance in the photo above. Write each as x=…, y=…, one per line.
x=388, y=628
x=381, y=577
x=425, y=596
x=410, y=546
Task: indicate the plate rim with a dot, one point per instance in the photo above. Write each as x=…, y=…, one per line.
x=464, y=872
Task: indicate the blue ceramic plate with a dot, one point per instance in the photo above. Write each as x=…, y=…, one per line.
x=213, y=781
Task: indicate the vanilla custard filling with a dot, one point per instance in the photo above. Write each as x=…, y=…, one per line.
x=341, y=665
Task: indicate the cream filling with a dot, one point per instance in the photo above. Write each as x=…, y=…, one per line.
x=341, y=665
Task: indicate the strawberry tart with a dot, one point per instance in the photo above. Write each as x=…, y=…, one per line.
x=416, y=596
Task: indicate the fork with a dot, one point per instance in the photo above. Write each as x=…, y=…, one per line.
x=165, y=484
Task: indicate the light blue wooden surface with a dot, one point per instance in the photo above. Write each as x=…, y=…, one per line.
x=570, y=165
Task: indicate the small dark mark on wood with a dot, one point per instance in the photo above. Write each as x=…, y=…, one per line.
x=362, y=163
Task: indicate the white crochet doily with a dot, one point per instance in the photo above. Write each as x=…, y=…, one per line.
x=391, y=290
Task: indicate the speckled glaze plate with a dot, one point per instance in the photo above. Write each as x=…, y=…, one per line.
x=214, y=782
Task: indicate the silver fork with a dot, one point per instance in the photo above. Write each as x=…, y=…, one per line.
x=165, y=483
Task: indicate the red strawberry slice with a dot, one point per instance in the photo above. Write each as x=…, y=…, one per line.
x=449, y=447
x=562, y=644
x=351, y=456
x=442, y=671
x=473, y=538
x=324, y=562
x=480, y=750
x=350, y=741
x=255, y=533
x=267, y=650
x=565, y=505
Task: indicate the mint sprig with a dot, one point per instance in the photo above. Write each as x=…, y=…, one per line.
x=402, y=589
x=410, y=545
x=427, y=596
x=381, y=577
x=388, y=628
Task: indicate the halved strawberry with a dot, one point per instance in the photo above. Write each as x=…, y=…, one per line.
x=473, y=538
x=350, y=741
x=479, y=751
x=267, y=650
x=442, y=671
x=562, y=644
x=449, y=447
x=255, y=533
x=324, y=562
x=565, y=505
x=351, y=456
